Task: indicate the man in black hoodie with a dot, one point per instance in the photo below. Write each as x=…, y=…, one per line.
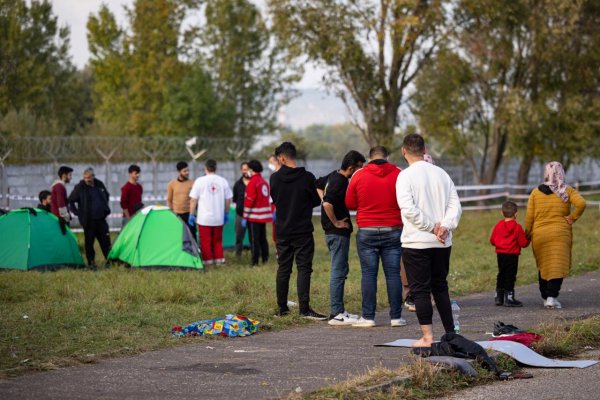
x=89, y=201
x=294, y=193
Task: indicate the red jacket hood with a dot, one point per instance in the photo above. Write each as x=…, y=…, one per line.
x=508, y=228
x=380, y=169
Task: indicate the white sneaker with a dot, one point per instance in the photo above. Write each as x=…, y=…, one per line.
x=343, y=319
x=398, y=322
x=364, y=323
x=348, y=315
x=551, y=302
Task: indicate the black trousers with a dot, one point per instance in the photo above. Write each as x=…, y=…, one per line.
x=240, y=233
x=96, y=229
x=427, y=273
x=549, y=288
x=508, y=265
x=184, y=217
x=302, y=249
x=260, y=246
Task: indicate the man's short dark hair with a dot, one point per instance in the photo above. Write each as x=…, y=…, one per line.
x=255, y=166
x=64, y=170
x=43, y=195
x=243, y=163
x=352, y=159
x=134, y=168
x=414, y=144
x=509, y=209
x=286, y=149
x=378, y=151
x=181, y=165
x=210, y=165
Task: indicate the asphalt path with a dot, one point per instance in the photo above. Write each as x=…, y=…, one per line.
x=274, y=364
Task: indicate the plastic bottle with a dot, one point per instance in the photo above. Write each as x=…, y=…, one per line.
x=456, y=316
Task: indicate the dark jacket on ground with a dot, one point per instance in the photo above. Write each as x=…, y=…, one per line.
x=294, y=194
x=89, y=202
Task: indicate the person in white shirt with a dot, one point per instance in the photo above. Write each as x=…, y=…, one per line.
x=210, y=198
x=430, y=210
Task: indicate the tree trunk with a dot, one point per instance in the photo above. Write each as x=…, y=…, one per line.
x=524, y=168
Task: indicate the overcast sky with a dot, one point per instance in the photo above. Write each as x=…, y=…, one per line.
x=75, y=13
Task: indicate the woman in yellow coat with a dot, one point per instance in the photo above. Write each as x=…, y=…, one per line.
x=548, y=224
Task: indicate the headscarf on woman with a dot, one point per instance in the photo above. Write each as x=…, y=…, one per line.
x=554, y=178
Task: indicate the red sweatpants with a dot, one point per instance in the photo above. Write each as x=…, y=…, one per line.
x=211, y=244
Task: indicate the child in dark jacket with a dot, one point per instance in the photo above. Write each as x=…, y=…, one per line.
x=509, y=238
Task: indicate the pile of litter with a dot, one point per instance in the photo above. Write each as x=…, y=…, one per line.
x=229, y=326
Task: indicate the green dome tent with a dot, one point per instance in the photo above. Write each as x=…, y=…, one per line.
x=34, y=239
x=156, y=237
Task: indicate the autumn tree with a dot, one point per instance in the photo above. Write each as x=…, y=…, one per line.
x=40, y=90
x=372, y=51
x=514, y=79
x=246, y=63
x=135, y=69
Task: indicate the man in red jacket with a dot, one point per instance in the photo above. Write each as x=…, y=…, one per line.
x=257, y=212
x=131, y=194
x=372, y=193
x=59, y=204
x=508, y=237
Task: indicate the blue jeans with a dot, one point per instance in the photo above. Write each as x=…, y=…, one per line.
x=338, y=246
x=373, y=245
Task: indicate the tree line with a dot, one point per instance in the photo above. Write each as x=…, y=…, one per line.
x=483, y=80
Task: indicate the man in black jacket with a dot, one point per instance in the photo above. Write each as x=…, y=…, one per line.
x=89, y=202
x=239, y=192
x=335, y=220
x=295, y=195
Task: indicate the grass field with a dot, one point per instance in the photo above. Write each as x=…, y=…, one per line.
x=54, y=319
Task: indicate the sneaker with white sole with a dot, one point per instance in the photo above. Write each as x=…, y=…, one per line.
x=398, y=322
x=311, y=314
x=410, y=303
x=364, y=323
x=551, y=302
x=343, y=319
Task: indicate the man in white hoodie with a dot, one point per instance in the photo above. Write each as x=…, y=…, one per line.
x=430, y=210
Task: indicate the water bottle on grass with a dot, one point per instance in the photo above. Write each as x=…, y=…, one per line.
x=456, y=316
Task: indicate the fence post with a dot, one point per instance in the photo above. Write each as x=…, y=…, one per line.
x=152, y=157
x=195, y=156
x=236, y=153
x=107, y=169
x=4, y=179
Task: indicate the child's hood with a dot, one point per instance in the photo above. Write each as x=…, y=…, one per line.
x=508, y=228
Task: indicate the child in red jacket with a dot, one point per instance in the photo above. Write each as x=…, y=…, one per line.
x=508, y=237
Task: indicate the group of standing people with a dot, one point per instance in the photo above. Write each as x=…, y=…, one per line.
x=401, y=215
x=405, y=221
x=89, y=201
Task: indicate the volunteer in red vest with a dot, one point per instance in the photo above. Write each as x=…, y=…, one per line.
x=257, y=212
x=210, y=198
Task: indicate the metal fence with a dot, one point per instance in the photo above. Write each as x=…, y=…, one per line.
x=29, y=164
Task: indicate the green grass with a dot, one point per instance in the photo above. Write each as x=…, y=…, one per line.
x=414, y=381
x=566, y=339
x=80, y=316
